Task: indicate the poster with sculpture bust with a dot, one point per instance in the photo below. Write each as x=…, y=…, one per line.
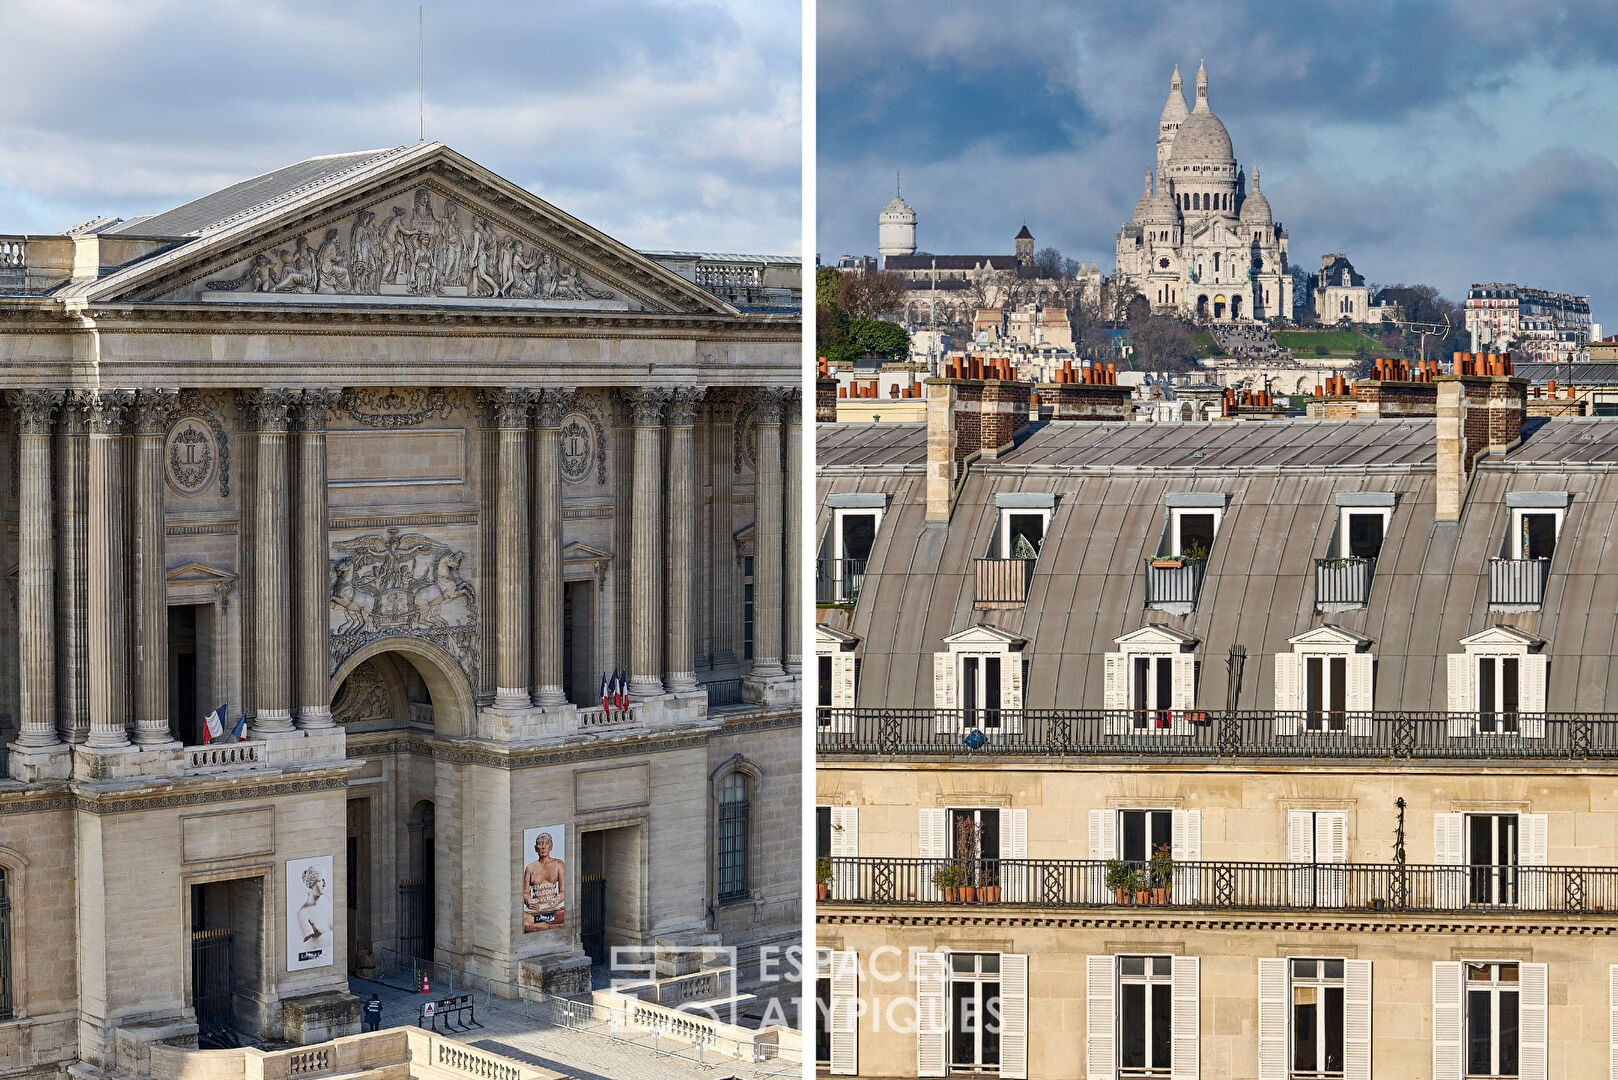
x=311, y=935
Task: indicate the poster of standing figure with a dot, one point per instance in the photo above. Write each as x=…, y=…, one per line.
x=542, y=877
x=311, y=940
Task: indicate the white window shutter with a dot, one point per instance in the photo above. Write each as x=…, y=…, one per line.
x=1612, y=1022
x=1185, y=1060
x=1449, y=849
x=1448, y=996
x=1534, y=1033
x=1103, y=846
x=946, y=693
x=845, y=844
x=1286, y=693
x=1461, y=675
x=1531, y=695
x=1332, y=845
x=1183, y=683
x=844, y=1026
x=1014, y=846
x=1533, y=857
x=1272, y=1020
x=932, y=844
x=1013, y=1016
x=1116, y=698
x=932, y=1025
x=1300, y=849
x=1361, y=697
x=842, y=685
x=1100, y=1019
x=1011, y=681
x=1185, y=846
x=1357, y=1020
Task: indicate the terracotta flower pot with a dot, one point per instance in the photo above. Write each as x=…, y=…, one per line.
x=989, y=894
x=821, y=890
x=1121, y=897
x=1168, y=564
x=969, y=894
x=952, y=894
x=1143, y=897
x=1160, y=895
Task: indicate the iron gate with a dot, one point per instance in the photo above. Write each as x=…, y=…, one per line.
x=593, y=927
x=416, y=919
x=213, y=973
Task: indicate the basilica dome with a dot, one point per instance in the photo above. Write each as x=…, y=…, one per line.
x=1156, y=207
x=1256, y=208
x=1202, y=137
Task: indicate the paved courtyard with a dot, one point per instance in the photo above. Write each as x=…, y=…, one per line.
x=530, y=1033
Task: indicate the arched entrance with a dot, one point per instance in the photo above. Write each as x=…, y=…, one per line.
x=1202, y=306
x=1235, y=307
x=1219, y=307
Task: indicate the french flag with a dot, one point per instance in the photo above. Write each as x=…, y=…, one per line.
x=240, y=730
x=606, y=693
x=213, y=726
x=620, y=694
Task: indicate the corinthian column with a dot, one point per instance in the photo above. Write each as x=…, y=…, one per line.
x=510, y=569
x=678, y=656
x=72, y=556
x=552, y=404
x=36, y=623
x=314, y=576
x=767, y=536
x=151, y=414
x=645, y=543
x=105, y=581
x=791, y=578
x=272, y=632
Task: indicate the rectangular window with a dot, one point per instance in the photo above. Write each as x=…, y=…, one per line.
x=1022, y=533
x=1145, y=1016
x=1317, y=1019
x=1498, y=696
x=1193, y=532
x=1534, y=533
x=974, y=1010
x=1325, y=693
x=1491, y=841
x=1491, y=1020
x=1151, y=692
x=733, y=818
x=823, y=664
x=1362, y=533
x=1141, y=832
x=980, y=692
x=854, y=536
x=823, y=1020
x=822, y=832
x=7, y=991
x=747, y=608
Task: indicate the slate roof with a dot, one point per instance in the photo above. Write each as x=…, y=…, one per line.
x=1429, y=591
x=949, y=262
x=1585, y=373
x=214, y=209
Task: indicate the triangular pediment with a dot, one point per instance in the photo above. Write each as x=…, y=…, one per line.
x=1155, y=635
x=1498, y=635
x=1328, y=634
x=830, y=635
x=985, y=635
x=582, y=552
x=417, y=226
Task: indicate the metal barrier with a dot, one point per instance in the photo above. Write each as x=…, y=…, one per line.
x=1002, y=581
x=1518, y=582
x=1171, y=584
x=1343, y=581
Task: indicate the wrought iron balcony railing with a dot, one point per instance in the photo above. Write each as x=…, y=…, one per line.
x=1174, y=581
x=838, y=581
x=950, y=733
x=1092, y=883
x=1343, y=582
x=1003, y=582
x=1518, y=582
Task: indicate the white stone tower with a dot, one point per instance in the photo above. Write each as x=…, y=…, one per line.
x=896, y=226
x=1174, y=114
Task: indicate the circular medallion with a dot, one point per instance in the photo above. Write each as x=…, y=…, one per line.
x=578, y=448
x=189, y=454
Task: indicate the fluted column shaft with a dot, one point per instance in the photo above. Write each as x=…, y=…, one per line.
x=272, y=644
x=36, y=561
x=645, y=544
x=767, y=537
x=723, y=560
x=679, y=657
x=552, y=404
x=511, y=571
x=314, y=575
x=72, y=629
x=791, y=581
x=150, y=416
x=105, y=578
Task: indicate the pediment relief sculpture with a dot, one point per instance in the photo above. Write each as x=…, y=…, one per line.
x=402, y=585
x=434, y=247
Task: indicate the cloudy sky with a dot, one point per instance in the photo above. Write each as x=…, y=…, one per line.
x=1437, y=142
x=666, y=123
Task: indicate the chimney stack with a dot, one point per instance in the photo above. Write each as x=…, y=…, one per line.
x=1481, y=408
x=969, y=419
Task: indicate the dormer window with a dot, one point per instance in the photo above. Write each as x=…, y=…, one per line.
x=1517, y=579
x=1324, y=684
x=1003, y=577
x=978, y=681
x=1151, y=682
x=1343, y=577
x=855, y=519
x=1194, y=519
x=837, y=665
x=1497, y=684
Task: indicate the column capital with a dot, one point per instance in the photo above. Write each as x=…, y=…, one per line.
x=509, y=407
x=314, y=406
x=76, y=411
x=793, y=404
x=36, y=410
x=105, y=410
x=268, y=410
x=683, y=402
x=150, y=415
x=767, y=403
x=646, y=405
x=551, y=404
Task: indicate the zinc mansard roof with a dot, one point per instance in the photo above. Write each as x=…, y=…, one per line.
x=1282, y=482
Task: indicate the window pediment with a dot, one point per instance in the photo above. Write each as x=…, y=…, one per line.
x=830, y=639
x=1507, y=637
x=980, y=636
x=1156, y=638
x=1332, y=637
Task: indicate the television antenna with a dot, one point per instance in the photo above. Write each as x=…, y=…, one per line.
x=1423, y=329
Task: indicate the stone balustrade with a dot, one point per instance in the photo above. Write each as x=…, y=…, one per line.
x=390, y=1054
x=236, y=755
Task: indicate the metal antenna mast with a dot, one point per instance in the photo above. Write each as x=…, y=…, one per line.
x=421, y=82
x=1423, y=329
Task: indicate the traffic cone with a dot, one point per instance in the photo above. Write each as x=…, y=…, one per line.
x=424, y=987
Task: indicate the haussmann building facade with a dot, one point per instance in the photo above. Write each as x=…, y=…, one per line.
x=395, y=460
x=1249, y=749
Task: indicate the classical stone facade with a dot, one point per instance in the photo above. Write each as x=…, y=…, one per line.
x=392, y=462
x=1199, y=243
